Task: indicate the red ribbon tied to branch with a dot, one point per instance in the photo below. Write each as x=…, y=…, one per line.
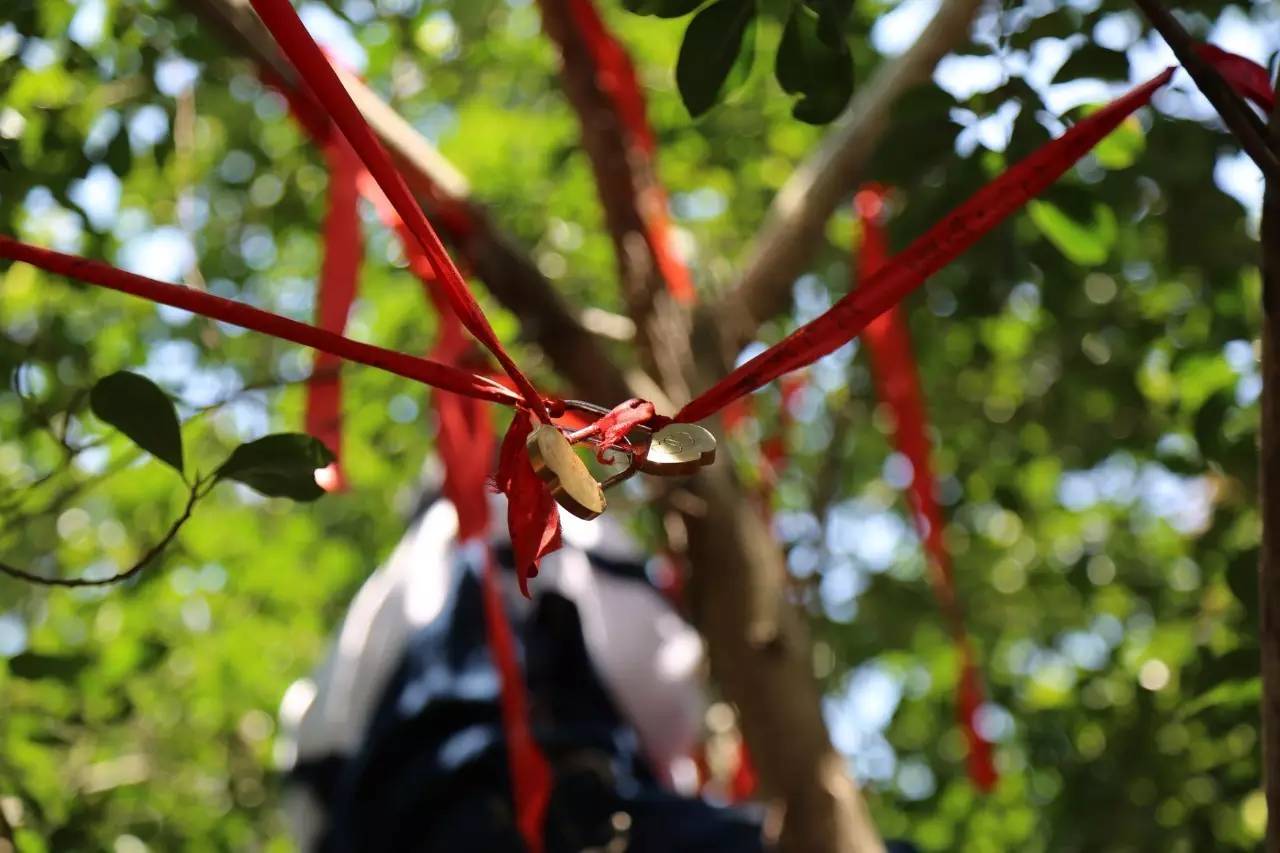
x=617, y=79
x=532, y=513
x=933, y=250
x=898, y=386
x=337, y=291
x=1248, y=78
x=292, y=37
x=846, y=319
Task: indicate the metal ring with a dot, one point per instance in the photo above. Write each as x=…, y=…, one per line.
x=635, y=450
x=625, y=474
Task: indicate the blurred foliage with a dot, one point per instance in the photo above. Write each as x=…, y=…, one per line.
x=1090, y=369
x=719, y=47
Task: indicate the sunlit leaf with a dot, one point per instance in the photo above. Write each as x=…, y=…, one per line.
x=1122, y=147
x=279, y=466
x=1230, y=694
x=1087, y=244
x=663, y=8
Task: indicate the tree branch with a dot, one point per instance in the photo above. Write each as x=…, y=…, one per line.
x=623, y=175
x=1269, y=487
x=1247, y=128
x=794, y=225
x=762, y=657
x=142, y=562
x=758, y=644
x=506, y=269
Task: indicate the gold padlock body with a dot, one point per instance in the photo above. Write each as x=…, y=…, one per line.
x=568, y=479
x=677, y=450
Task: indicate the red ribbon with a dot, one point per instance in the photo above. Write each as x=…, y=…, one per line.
x=531, y=778
x=338, y=281
x=936, y=248
x=969, y=699
x=306, y=56
x=532, y=516
x=530, y=501
x=246, y=316
x=613, y=427
x=616, y=77
x=1248, y=78
x=464, y=441
x=898, y=386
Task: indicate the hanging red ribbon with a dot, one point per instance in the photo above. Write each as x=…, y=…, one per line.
x=531, y=778
x=464, y=442
x=936, y=248
x=530, y=500
x=532, y=516
x=338, y=281
x=898, y=385
x=616, y=77
x=296, y=43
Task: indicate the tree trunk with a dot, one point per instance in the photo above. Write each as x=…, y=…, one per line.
x=1269, y=569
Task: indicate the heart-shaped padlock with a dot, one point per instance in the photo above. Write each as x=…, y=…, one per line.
x=678, y=449
x=568, y=479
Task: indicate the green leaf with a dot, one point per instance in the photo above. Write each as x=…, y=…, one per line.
x=33, y=666
x=1207, y=424
x=119, y=154
x=815, y=67
x=718, y=46
x=1242, y=578
x=1122, y=146
x=1229, y=694
x=1092, y=61
x=832, y=15
x=138, y=408
x=663, y=8
x=279, y=466
x=1084, y=244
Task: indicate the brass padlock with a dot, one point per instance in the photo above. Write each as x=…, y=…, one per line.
x=568, y=479
x=677, y=450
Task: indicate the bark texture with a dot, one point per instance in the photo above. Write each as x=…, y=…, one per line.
x=1269, y=568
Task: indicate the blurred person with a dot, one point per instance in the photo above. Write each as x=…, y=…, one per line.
x=397, y=742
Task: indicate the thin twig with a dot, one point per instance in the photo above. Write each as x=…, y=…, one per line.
x=152, y=553
x=184, y=147
x=1247, y=128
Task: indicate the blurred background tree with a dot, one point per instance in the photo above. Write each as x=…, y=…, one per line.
x=1091, y=372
